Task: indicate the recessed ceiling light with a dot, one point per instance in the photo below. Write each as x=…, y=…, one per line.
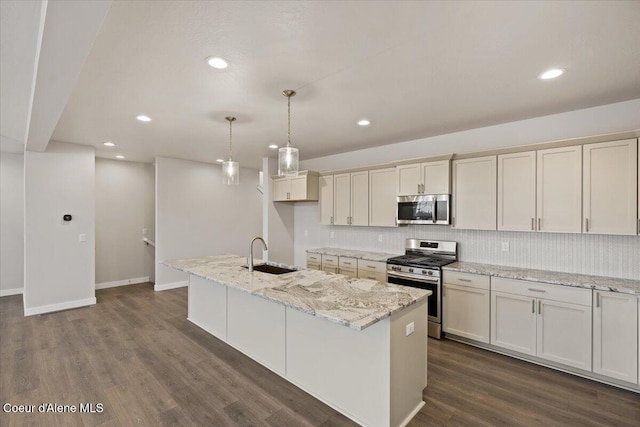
x=143, y=118
x=216, y=62
x=219, y=160
x=551, y=73
x=119, y=156
x=364, y=122
x=109, y=144
x=273, y=146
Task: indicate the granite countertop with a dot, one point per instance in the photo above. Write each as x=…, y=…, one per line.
x=356, y=303
x=627, y=286
x=351, y=253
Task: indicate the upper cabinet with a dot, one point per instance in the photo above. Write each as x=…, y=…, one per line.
x=303, y=187
x=326, y=199
x=474, y=193
x=424, y=178
x=610, y=183
x=517, y=191
x=382, y=197
x=559, y=192
x=351, y=198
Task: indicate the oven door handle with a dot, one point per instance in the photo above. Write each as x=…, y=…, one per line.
x=414, y=278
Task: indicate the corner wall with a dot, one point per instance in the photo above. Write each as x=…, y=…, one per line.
x=59, y=268
x=11, y=223
x=196, y=215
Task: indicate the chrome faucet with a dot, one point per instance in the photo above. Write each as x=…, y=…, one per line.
x=250, y=259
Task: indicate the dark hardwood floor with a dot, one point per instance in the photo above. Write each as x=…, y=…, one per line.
x=136, y=353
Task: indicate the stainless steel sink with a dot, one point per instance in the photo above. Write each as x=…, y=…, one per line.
x=271, y=269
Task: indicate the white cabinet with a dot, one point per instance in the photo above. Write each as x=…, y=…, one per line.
x=517, y=191
x=303, y=187
x=351, y=198
x=325, y=198
x=615, y=335
x=424, y=178
x=314, y=261
x=610, y=184
x=382, y=197
x=559, y=190
x=373, y=270
x=348, y=266
x=466, y=305
x=547, y=321
x=474, y=193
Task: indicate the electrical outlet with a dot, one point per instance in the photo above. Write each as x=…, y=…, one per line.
x=82, y=237
x=379, y=238
x=410, y=328
x=332, y=235
x=505, y=246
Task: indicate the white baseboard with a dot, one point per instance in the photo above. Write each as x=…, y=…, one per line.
x=125, y=282
x=7, y=292
x=58, y=307
x=168, y=286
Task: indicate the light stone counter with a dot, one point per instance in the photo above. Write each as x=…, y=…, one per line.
x=352, y=253
x=567, y=279
x=356, y=303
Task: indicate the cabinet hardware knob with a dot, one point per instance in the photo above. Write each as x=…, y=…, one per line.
x=533, y=224
x=539, y=224
x=533, y=306
x=539, y=306
x=586, y=225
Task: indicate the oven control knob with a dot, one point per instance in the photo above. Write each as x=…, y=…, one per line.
x=411, y=270
x=430, y=273
x=424, y=272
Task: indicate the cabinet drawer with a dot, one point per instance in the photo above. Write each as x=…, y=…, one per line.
x=350, y=263
x=330, y=269
x=351, y=272
x=313, y=266
x=329, y=260
x=467, y=279
x=548, y=291
x=372, y=266
x=372, y=275
x=314, y=258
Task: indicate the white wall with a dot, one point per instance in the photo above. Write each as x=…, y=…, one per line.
x=11, y=223
x=150, y=220
x=59, y=269
x=197, y=215
x=615, y=256
x=123, y=191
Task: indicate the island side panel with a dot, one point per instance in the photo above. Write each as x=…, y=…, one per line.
x=208, y=306
x=256, y=327
x=408, y=362
x=345, y=368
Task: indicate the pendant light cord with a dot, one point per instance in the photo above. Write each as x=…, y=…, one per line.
x=230, y=140
x=289, y=121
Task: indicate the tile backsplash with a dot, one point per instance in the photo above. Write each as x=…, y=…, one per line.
x=600, y=255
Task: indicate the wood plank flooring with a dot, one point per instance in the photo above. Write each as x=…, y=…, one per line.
x=136, y=353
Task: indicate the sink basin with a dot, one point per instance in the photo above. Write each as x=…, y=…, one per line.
x=271, y=269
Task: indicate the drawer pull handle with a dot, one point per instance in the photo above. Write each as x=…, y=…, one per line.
x=537, y=290
x=465, y=280
x=371, y=266
x=345, y=262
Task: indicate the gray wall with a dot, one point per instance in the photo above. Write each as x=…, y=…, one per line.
x=197, y=215
x=11, y=223
x=124, y=207
x=59, y=269
x=615, y=256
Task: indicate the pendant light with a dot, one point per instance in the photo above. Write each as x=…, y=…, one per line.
x=230, y=169
x=288, y=156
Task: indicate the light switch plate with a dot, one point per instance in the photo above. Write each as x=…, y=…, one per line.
x=410, y=328
x=82, y=237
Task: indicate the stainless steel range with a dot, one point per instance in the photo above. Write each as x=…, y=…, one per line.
x=421, y=267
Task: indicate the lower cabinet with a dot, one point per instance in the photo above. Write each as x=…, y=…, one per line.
x=615, y=335
x=547, y=321
x=373, y=270
x=465, y=306
x=314, y=261
x=348, y=266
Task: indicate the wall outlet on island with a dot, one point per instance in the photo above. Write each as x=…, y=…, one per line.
x=505, y=246
x=410, y=328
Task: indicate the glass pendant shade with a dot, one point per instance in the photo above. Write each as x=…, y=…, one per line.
x=288, y=161
x=230, y=173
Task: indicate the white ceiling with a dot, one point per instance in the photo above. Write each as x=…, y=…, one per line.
x=415, y=69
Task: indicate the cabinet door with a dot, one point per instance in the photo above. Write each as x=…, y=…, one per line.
x=341, y=198
x=382, y=197
x=517, y=191
x=298, y=188
x=326, y=199
x=513, y=322
x=373, y=275
x=330, y=269
x=610, y=181
x=436, y=177
x=360, y=198
x=559, y=188
x=465, y=312
x=474, y=193
x=409, y=179
x=564, y=333
x=281, y=189
x=615, y=336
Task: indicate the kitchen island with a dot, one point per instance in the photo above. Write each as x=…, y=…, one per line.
x=356, y=344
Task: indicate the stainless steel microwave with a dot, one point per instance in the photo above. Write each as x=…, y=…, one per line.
x=424, y=209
